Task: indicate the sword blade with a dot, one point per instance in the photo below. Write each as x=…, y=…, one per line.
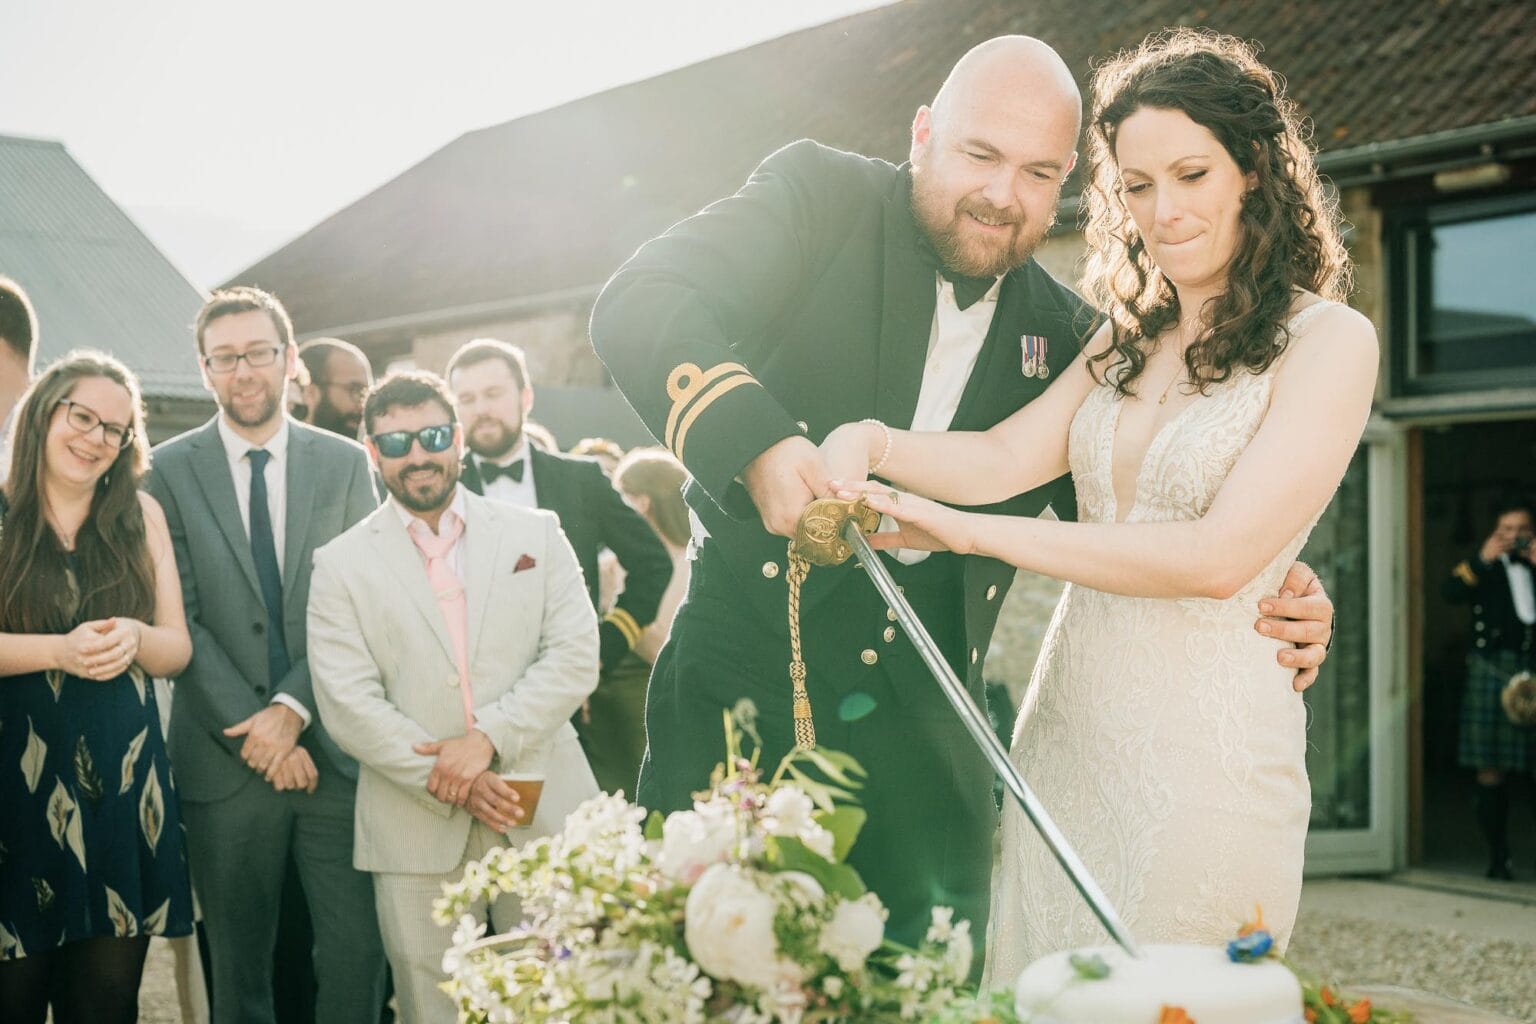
x=976, y=723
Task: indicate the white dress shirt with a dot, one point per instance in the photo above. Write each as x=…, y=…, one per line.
x=954, y=342
x=521, y=493
x=1520, y=588
x=456, y=507
x=237, y=450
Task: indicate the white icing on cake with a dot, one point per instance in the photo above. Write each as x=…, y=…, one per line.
x=1201, y=980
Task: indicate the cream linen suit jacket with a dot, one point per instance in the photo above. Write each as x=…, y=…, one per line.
x=385, y=677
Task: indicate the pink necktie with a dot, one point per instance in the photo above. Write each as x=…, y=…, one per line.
x=450, y=595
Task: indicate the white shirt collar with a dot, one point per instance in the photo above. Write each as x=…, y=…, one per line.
x=236, y=446
x=457, y=507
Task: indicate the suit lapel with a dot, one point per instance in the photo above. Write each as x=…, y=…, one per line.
x=906, y=312
x=301, y=482
x=398, y=551
x=550, y=485
x=469, y=475
x=482, y=550
x=218, y=487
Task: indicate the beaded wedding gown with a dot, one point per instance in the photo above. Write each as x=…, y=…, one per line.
x=1161, y=734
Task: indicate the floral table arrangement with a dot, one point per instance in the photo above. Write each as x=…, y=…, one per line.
x=741, y=910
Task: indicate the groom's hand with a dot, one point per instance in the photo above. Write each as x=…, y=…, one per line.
x=1301, y=615
x=783, y=480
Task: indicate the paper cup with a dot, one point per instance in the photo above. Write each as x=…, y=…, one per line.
x=529, y=786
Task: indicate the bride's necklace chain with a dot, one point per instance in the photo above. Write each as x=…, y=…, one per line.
x=1180, y=376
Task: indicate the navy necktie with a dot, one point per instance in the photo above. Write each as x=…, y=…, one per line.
x=264, y=554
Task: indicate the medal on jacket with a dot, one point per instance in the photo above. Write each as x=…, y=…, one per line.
x=1033, y=349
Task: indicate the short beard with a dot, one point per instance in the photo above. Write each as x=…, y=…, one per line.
x=267, y=411
x=509, y=440
x=326, y=417
x=940, y=224
x=401, y=493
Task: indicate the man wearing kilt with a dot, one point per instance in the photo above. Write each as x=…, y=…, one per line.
x=1497, y=582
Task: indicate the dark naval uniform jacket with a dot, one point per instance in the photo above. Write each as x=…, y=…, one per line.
x=802, y=302
x=594, y=516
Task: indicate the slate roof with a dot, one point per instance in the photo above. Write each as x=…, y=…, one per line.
x=556, y=200
x=94, y=278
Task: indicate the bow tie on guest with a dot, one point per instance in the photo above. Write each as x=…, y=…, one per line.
x=490, y=472
x=968, y=290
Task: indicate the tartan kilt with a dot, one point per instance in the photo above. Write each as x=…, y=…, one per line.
x=1488, y=739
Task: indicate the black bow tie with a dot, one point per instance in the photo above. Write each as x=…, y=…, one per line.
x=968, y=290
x=490, y=472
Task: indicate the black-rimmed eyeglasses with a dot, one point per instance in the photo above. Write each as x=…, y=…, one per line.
x=256, y=358
x=82, y=420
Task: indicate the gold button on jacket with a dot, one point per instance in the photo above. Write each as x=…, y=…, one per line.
x=868, y=656
x=770, y=569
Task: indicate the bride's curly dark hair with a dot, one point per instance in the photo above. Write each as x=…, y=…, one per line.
x=1289, y=231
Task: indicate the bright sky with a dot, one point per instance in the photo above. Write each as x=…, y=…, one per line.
x=226, y=129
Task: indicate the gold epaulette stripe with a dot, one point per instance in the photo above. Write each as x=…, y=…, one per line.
x=626, y=624
x=692, y=391
x=1464, y=573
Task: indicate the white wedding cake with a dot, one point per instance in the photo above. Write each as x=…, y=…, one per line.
x=1200, y=981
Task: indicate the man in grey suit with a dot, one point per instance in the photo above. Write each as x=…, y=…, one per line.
x=249, y=497
x=451, y=639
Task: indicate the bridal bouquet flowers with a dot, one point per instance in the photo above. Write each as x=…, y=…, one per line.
x=741, y=910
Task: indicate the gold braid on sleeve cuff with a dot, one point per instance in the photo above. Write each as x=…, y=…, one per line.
x=1464, y=573
x=626, y=624
x=692, y=391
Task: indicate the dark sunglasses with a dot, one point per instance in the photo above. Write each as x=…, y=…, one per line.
x=396, y=444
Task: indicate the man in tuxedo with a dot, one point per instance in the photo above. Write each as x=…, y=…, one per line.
x=451, y=639
x=490, y=379
x=831, y=288
x=249, y=497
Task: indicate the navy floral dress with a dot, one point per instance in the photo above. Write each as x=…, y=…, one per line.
x=91, y=840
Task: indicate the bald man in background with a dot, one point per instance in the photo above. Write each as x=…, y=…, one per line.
x=832, y=288
x=339, y=377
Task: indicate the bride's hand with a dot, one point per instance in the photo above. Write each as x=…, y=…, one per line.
x=846, y=451
x=923, y=525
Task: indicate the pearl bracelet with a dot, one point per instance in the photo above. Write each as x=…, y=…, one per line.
x=885, y=454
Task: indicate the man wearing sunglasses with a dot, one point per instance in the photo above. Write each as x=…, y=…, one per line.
x=249, y=498
x=339, y=377
x=451, y=639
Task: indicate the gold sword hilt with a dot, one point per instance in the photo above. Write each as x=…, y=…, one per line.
x=819, y=534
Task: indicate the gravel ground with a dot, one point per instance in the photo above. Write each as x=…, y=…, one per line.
x=1492, y=974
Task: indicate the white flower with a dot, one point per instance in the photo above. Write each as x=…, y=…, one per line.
x=958, y=954
x=832, y=985
x=728, y=926
x=789, y=812
x=856, y=930
x=693, y=840
x=802, y=888
x=818, y=840
x=939, y=930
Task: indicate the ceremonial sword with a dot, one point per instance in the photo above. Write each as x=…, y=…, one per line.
x=830, y=531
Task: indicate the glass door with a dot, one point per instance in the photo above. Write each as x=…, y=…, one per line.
x=1357, y=711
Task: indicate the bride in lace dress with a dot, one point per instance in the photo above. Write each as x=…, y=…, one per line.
x=1206, y=426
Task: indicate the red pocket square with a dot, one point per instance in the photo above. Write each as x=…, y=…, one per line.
x=525, y=562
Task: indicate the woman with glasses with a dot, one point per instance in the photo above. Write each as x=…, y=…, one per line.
x=90, y=609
